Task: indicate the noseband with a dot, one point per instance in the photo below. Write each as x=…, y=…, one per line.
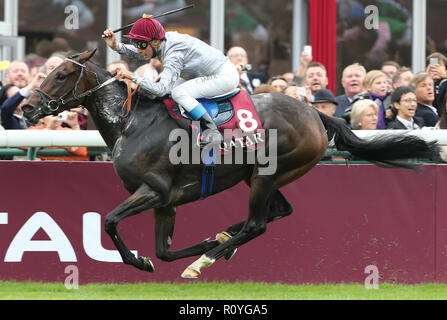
x=54, y=104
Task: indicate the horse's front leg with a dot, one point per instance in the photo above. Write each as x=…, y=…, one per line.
x=142, y=200
x=164, y=230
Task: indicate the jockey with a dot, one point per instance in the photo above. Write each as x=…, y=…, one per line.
x=192, y=69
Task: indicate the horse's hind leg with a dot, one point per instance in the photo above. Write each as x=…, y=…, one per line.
x=143, y=199
x=260, y=193
x=164, y=229
x=279, y=208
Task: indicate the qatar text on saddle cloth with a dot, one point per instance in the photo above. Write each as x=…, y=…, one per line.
x=243, y=130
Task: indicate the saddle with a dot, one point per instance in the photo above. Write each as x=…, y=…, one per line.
x=220, y=108
x=230, y=112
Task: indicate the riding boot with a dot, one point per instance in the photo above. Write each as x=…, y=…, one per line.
x=212, y=132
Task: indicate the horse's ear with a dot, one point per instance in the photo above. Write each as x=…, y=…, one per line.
x=86, y=56
x=93, y=52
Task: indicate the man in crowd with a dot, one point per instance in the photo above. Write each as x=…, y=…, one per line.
x=402, y=78
x=279, y=83
x=18, y=88
x=249, y=80
x=17, y=75
x=405, y=102
x=390, y=67
x=11, y=114
x=352, y=82
x=438, y=73
x=315, y=77
x=52, y=63
x=114, y=66
x=425, y=95
x=325, y=102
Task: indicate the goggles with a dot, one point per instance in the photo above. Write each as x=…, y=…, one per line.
x=139, y=44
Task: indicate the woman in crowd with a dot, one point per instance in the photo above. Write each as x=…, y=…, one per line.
x=364, y=115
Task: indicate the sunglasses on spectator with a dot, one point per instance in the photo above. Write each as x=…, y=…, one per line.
x=139, y=44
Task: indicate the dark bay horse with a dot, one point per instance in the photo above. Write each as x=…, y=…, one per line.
x=140, y=148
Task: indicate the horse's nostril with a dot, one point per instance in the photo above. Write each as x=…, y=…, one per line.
x=27, y=108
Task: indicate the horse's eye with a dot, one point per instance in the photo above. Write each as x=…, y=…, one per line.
x=60, y=77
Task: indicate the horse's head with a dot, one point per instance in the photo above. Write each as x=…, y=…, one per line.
x=61, y=90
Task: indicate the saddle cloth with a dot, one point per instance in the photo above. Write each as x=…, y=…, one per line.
x=233, y=113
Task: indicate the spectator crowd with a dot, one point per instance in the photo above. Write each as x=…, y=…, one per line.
x=390, y=98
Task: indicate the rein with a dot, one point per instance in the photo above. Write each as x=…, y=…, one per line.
x=55, y=104
x=130, y=95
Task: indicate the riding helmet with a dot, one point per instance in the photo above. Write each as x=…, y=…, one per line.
x=147, y=29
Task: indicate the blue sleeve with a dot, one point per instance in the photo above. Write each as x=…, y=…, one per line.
x=8, y=107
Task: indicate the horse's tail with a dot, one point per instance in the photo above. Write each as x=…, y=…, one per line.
x=391, y=151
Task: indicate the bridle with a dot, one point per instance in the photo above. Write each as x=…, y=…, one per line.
x=54, y=104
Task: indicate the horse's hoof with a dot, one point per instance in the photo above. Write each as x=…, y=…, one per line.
x=222, y=238
x=147, y=264
x=190, y=274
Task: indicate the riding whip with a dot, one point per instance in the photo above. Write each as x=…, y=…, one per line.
x=158, y=16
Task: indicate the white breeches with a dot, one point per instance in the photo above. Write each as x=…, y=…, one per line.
x=225, y=80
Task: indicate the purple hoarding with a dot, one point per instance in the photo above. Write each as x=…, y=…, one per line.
x=344, y=219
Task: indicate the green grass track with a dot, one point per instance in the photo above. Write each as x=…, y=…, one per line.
x=219, y=291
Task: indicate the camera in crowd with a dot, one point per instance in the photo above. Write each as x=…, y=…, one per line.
x=247, y=67
x=301, y=91
x=434, y=61
x=63, y=116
